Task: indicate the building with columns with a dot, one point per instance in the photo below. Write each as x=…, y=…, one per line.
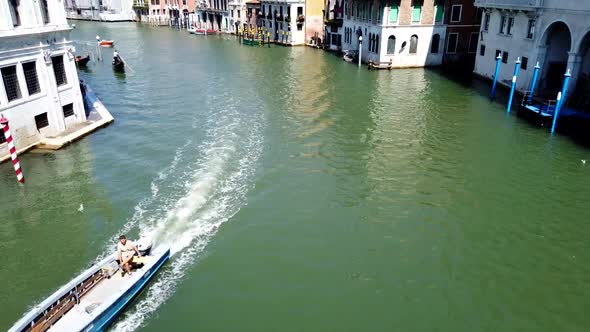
x=39, y=90
x=553, y=33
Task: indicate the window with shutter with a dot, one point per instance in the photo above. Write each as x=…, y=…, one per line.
x=416, y=12
x=393, y=13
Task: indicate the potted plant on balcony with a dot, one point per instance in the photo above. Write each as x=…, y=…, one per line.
x=288, y=18
x=300, y=18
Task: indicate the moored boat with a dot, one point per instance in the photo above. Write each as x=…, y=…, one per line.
x=92, y=300
x=106, y=43
x=249, y=41
x=82, y=61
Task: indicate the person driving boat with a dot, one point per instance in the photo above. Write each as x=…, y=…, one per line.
x=125, y=251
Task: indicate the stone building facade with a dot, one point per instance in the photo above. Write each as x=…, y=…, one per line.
x=553, y=33
x=39, y=90
x=399, y=33
x=462, y=19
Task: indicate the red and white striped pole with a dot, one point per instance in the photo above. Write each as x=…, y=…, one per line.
x=11, y=148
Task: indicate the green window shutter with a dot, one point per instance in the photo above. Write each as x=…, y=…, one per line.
x=393, y=11
x=416, y=13
x=439, y=13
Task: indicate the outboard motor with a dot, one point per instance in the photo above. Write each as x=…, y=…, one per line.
x=144, y=245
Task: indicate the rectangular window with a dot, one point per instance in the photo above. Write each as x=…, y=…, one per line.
x=452, y=42
x=505, y=57
x=502, y=24
x=239, y=13
x=44, y=11
x=68, y=110
x=498, y=53
x=530, y=31
x=30, y=70
x=14, y=14
x=299, y=10
x=416, y=11
x=439, y=13
x=473, y=42
x=11, y=85
x=525, y=63
x=299, y=27
x=482, y=50
x=59, y=70
x=41, y=120
x=2, y=138
x=393, y=13
x=510, y=25
x=456, y=13
x=486, y=22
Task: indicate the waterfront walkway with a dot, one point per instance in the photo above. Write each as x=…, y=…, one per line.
x=98, y=117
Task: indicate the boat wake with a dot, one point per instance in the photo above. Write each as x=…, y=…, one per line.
x=203, y=187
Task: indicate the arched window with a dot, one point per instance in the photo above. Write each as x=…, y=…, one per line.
x=391, y=45
x=434, y=45
x=413, y=44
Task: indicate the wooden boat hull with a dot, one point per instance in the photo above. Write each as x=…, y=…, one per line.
x=108, y=298
x=106, y=43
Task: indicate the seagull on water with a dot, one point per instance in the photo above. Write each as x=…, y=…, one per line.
x=81, y=208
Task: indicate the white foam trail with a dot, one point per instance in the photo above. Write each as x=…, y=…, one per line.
x=145, y=204
x=214, y=189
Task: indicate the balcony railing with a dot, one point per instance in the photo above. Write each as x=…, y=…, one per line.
x=510, y=4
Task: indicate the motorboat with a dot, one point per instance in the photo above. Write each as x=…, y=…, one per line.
x=93, y=300
x=349, y=56
x=106, y=43
x=82, y=61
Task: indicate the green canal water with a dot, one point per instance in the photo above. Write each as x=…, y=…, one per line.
x=300, y=193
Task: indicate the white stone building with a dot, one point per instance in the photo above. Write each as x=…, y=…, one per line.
x=554, y=33
x=405, y=33
x=284, y=19
x=39, y=88
x=237, y=15
x=213, y=14
x=100, y=10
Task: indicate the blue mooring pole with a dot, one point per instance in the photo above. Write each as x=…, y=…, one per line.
x=560, y=102
x=498, y=59
x=516, y=68
x=534, y=82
